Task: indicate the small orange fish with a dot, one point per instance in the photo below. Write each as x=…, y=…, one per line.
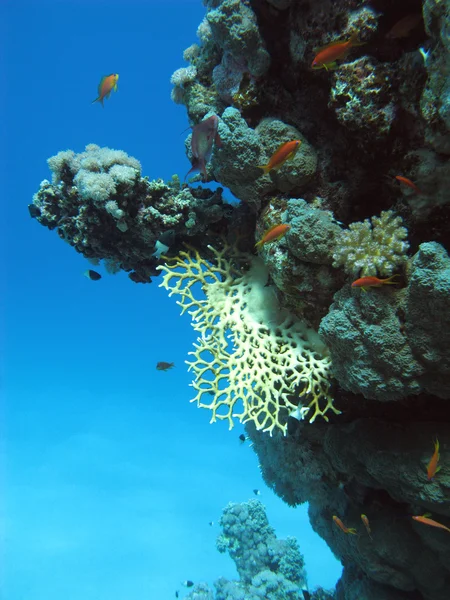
x=433, y=467
x=281, y=155
x=106, y=85
x=365, y=520
x=408, y=183
x=366, y=282
x=427, y=521
x=328, y=55
x=273, y=234
x=341, y=525
x=404, y=27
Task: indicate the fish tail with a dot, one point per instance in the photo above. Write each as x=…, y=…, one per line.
x=259, y=244
x=265, y=168
x=389, y=279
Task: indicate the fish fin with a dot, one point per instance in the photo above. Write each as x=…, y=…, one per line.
x=195, y=167
x=389, y=279
x=115, y=87
x=265, y=168
x=218, y=141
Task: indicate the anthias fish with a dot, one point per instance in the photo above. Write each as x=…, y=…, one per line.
x=164, y=366
x=203, y=137
x=433, y=467
x=106, y=85
x=328, y=55
x=431, y=522
x=283, y=153
x=92, y=275
x=341, y=526
x=367, y=282
x=273, y=234
x=408, y=183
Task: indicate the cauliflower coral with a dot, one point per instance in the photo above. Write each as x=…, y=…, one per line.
x=249, y=354
x=372, y=247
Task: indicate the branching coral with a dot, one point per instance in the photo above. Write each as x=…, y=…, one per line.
x=372, y=247
x=249, y=352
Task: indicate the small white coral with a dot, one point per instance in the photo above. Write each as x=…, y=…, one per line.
x=204, y=32
x=94, y=186
x=372, y=247
x=184, y=75
x=112, y=207
x=123, y=174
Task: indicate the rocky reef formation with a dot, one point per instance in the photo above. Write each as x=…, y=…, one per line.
x=365, y=195
x=268, y=568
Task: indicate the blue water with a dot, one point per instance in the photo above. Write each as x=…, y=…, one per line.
x=110, y=476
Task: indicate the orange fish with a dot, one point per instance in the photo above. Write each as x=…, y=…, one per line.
x=366, y=282
x=434, y=461
x=365, y=520
x=341, y=525
x=328, y=55
x=408, y=183
x=426, y=521
x=404, y=27
x=280, y=156
x=273, y=234
x=105, y=87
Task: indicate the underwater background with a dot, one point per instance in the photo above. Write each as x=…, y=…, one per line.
x=112, y=483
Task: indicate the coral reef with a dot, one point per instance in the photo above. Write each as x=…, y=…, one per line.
x=382, y=112
x=249, y=352
x=268, y=568
x=100, y=205
x=388, y=345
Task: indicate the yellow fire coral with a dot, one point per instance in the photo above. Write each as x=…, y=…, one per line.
x=249, y=352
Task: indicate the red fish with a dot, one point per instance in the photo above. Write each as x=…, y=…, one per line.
x=281, y=155
x=408, y=183
x=366, y=282
x=273, y=234
x=404, y=27
x=106, y=85
x=341, y=525
x=203, y=137
x=328, y=55
x=433, y=467
x=426, y=521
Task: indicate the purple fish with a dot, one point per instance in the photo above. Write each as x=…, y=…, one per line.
x=203, y=137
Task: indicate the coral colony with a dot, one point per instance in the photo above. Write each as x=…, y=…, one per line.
x=328, y=122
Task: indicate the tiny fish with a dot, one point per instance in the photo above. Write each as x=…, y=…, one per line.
x=341, y=525
x=105, y=87
x=188, y=583
x=92, y=275
x=284, y=152
x=257, y=492
x=367, y=282
x=427, y=521
x=176, y=594
x=408, y=183
x=273, y=234
x=242, y=438
x=211, y=523
x=306, y=595
x=328, y=55
x=366, y=523
x=164, y=366
x=404, y=27
x=203, y=137
x=433, y=467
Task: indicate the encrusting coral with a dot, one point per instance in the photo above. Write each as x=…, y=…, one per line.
x=249, y=351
